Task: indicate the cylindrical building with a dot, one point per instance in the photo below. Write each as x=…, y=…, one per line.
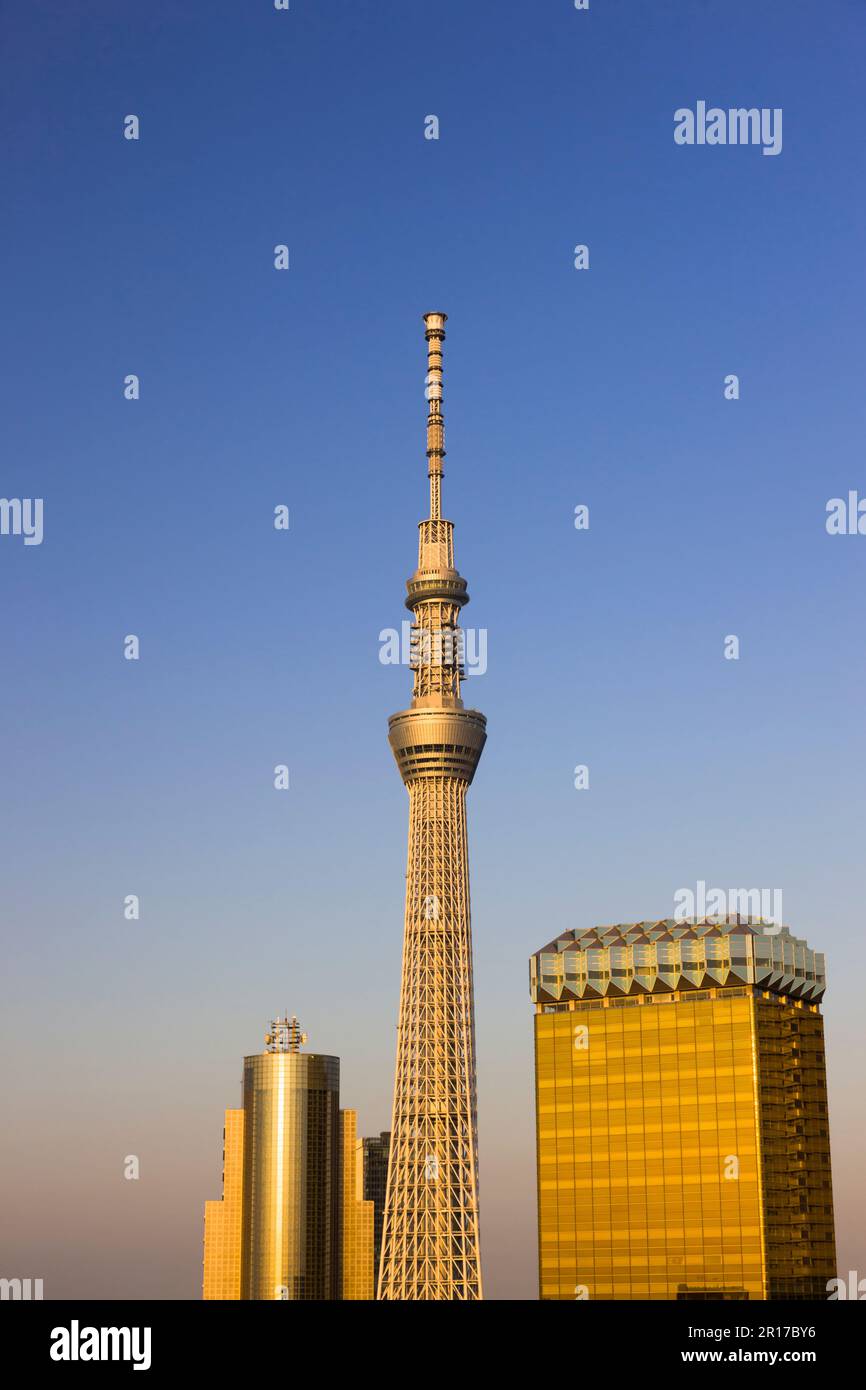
x=291, y=1241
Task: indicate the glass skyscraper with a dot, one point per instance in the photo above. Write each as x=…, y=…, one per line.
x=303, y=1199
x=276, y=1234
x=375, y=1151
x=222, y=1219
x=356, y=1215
x=290, y=1243
x=681, y=1110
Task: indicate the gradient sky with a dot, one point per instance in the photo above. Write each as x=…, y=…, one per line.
x=257, y=647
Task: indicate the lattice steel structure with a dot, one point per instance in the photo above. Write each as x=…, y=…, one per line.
x=430, y=1244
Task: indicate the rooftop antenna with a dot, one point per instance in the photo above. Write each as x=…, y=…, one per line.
x=285, y=1035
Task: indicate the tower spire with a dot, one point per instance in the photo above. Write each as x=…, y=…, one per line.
x=430, y=1226
x=435, y=335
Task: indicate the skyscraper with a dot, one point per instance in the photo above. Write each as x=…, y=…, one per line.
x=290, y=1244
x=681, y=1102
x=430, y=1242
x=222, y=1219
x=276, y=1233
x=374, y=1159
x=358, y=1279
x=301, y=1192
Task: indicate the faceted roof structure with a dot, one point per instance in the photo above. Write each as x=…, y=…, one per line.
x=660, y=957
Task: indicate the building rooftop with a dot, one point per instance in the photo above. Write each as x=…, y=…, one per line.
x=675, y=955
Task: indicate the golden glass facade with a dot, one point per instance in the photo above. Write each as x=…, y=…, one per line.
x=356, y=1214
x=301, y=1190
x=683, y=1145
x=795, y=1143
x=290, y=1233
x=222, y=1219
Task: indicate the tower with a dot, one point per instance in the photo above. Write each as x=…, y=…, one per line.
x=290, y=1232
x=430, y=1241
x=681, y=1100
x=295, y=1221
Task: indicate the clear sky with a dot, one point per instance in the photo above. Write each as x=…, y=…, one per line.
x=602, y=387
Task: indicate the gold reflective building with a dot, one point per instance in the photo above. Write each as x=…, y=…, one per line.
x=356, y=1214
x=276, y=1233
x=222, y=1219
x=290, y=1239
x=681, y=1110
x=430, y=1232
x=296, y=1220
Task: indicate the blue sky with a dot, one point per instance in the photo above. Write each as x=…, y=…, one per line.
x=602, y=387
